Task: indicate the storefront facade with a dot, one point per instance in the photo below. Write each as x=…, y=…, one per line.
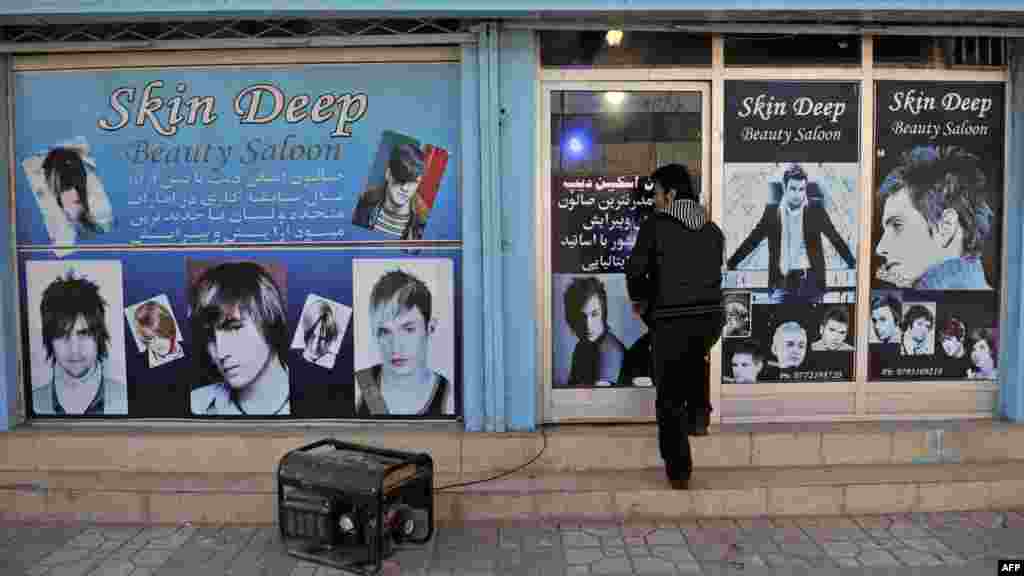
x=378, y=227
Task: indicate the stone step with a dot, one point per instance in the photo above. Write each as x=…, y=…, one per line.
x=534, y=494
x=466, y=455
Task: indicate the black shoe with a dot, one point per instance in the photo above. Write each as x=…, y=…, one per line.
x=679, y=484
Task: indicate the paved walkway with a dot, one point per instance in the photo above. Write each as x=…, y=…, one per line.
x=945, y=543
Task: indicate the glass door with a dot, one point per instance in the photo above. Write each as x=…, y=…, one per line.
x=600, y=138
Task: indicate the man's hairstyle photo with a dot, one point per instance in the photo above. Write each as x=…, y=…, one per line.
x=406, y=290
x=938, y=178
x=406, y=163
x=576, y=295
x=64, y=300
x=252, y=289
x=836, y=313
x=64, y=169
x=319, y=319
x=890, y=301
x=916, y=311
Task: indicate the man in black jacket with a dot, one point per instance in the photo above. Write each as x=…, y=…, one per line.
x=674, y=277
x=794, y=228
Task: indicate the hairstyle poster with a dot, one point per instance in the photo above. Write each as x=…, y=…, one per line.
x=791, y=215
x=404, y=325
x=271, y=155
x=936, y=230
x=598, y=341
x=75, y=338
x=401, y=187
x=235, y=334
x=155, y=330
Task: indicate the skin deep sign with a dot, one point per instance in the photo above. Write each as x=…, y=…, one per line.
x=186, y=241
x=790, y=213
x=936, y=238
x=319, y=153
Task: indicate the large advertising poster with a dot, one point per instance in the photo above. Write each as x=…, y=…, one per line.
x=936, y=231
x=790, y=213
x=598, y=341
x=244, y=241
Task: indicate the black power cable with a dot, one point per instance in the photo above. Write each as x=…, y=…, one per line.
x=543, y=433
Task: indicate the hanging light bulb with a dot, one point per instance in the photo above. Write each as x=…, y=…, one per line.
x=614, y=98
x=613, y=37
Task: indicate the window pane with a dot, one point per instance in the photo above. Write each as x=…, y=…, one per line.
x=636, y=49
x=790, y=49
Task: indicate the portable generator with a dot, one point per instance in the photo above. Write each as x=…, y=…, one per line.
x=348, y=506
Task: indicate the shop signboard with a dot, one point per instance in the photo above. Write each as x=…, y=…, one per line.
x=228, y=242
x=791, y=215
x=936, y=253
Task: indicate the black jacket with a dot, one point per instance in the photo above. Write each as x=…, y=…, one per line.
x=816, y=224
x=676, y=263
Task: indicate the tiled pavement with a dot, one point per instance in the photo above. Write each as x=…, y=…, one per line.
x=940, y=543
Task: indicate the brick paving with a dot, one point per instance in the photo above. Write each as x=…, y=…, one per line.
x=941, y=543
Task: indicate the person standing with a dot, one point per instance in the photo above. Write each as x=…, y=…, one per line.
x=674, y=278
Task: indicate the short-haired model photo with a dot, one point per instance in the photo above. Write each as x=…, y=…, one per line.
x=737, y=314
x=918, y=329
x=69, y=193
x=402, y=187
x=886, y=317
x=833, y=331
x=76, y=338
x=321, y=329
x=155, y=330
x=240, y=333
x=936, y=220
x=404, y=337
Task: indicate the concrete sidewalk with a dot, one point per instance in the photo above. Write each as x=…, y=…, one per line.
x=945, y=543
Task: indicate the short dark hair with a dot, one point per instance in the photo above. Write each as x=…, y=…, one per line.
x=675, y=177
x=990, y=338
x=407, y=290
x=576, y=295
x=63, y=169
x=917, y=311
x=246, y=285
x=406, y=163
x=793, y=172
x=954, y=328
x=64, y=300
x=938, y=178
x=887, y=300
x=748, y=347
x=836, y=313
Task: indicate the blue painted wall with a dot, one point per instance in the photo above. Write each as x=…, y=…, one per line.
x=1012, y=352
x=8, y=293
x=472, y=280
x=517, y=85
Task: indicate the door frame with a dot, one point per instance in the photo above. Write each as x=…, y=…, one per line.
x=571, y=401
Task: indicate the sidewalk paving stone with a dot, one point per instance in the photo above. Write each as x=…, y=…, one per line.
x=960, y=542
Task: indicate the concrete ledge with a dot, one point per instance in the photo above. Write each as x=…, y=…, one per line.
x=472, y=456
x=620, y=495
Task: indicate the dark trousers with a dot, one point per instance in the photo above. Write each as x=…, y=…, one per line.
x=679, y=371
